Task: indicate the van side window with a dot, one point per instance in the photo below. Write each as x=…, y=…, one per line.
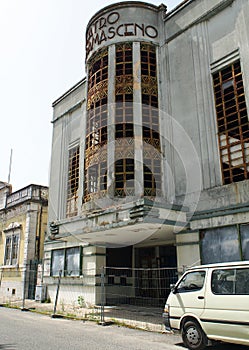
x=193, y=281
x=230, y=281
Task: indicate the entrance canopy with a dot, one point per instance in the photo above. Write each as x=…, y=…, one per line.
x=137, y=223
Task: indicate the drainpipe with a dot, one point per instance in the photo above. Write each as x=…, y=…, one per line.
x=25, y=251
x=38, y=237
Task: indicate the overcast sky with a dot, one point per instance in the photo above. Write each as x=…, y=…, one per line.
x=41, y=56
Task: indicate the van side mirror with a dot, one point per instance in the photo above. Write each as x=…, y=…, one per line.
x=173, y=288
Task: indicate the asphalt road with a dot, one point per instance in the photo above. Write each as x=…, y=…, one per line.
x=26, y=331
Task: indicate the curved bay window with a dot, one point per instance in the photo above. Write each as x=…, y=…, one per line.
x=124, y=130
x=96, y=127
x=150, y=117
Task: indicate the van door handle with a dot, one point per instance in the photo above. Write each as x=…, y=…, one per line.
x=200, y=297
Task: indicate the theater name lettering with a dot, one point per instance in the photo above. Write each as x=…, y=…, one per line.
x=109, y=27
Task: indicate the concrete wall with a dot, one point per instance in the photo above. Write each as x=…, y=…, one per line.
x=122, y=22
x=68, y=130
x=199, y=35
x=87, y=284
x=202, y=37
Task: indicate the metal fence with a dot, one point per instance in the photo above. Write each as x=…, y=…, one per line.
x=137, y=286
x=125, y=295
x=136, y=294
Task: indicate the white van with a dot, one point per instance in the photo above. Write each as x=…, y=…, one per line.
x=210, y=303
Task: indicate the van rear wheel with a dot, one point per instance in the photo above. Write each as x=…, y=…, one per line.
x=193, y=336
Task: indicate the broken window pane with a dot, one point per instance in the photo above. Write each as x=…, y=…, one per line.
x=232, y=123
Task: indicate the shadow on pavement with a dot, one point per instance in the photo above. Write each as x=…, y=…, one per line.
x=181, y=344
x=222, y=346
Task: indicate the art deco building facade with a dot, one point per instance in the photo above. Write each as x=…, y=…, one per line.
x=150, y=151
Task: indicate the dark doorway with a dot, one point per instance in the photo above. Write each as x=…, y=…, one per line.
x=156, y=270
x=119, y=257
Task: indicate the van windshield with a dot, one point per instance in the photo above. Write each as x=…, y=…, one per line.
x=192, y=281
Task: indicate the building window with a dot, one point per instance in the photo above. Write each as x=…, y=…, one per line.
x=244, y=236
x=73, y=181
x=96, y=179
x=124, y=128
x=72, y=262
x=232, y=123
x=224, y=244
x=96, y=132
x=149, y=179
x=124, y=177
x=58, y=262
x=124, y=84
x=96, y=127
x=67, y=261
x=150, y=117
x=11, y=249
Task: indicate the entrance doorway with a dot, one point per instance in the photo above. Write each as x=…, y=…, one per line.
x=155, y=270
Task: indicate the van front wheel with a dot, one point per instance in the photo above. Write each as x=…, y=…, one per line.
x=193, y=336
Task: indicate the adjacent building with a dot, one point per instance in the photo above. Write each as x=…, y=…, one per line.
x=23, y=224
x=150, y=153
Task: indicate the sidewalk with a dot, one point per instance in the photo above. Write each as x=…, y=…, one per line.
x=146, y=318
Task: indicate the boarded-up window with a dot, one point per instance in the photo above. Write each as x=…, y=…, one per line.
x=244, y=232
x=220, y=245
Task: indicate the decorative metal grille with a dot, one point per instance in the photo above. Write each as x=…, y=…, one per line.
x=124, y=148
x=232, y=123
x=149, y=85
x=97, y=93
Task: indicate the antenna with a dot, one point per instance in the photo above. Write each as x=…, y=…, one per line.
x=11, y=152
